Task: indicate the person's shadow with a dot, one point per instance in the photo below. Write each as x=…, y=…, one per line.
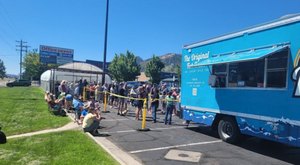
x=101, y=135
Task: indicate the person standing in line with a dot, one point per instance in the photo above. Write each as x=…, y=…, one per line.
x=163, y=102
x=112, y=97
x=62, y=88
x=80, y=87
x=174, y=94
x=92, y=89
x=85, y=83
x=76, y=90
x=141, y=96
x=154, y=102
x=164, y=91
x=170, y=106
x=104, y=90
x=121, y=100
x=98, y=92
x=126, y=99
x=148, y=88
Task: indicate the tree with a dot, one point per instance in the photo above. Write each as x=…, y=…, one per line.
x=2, y=70
x=124, y=67
x=153, y=69
x=32, y=66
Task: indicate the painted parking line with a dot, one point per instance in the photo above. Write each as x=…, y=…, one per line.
x=152, y=129
x=114, y=119
x=175, y=146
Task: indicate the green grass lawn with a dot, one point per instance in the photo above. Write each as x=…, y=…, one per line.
x=23, y=109
x=68, y=147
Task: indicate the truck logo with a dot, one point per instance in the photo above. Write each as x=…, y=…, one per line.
x=296, y=75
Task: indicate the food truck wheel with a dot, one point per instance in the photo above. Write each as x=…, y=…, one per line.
x=228, y=130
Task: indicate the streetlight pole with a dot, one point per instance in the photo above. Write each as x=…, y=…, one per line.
x=105, y=44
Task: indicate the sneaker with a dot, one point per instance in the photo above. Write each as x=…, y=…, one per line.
x=125, y=112
x=118, y=113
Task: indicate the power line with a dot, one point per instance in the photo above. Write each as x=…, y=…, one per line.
x=6, y=42
x=23, y=48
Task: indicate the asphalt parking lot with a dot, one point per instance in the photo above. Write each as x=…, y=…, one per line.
x=176, y=144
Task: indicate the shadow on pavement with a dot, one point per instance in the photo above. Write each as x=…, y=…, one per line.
x=272, y=149
x=264, y=147
x=102, y=135
x=204, y=130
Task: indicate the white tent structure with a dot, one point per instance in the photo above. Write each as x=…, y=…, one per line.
x=72, y=72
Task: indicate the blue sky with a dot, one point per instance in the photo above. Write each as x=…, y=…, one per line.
x=144, y=27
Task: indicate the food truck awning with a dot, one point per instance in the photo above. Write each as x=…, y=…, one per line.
x=241, y=56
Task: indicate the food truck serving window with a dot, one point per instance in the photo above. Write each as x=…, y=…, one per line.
x=266, y=72
x=246, y=74
x=220, y=71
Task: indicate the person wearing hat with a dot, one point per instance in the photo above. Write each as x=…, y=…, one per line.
x=91, y=121
x=84, y=112
x=78, y=106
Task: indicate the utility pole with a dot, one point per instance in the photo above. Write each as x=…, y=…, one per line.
x=105, y=43
x=22, y=45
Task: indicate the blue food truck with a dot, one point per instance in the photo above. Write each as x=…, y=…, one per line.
x=246, y=82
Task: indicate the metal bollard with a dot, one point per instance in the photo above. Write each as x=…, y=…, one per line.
x=84, y=94
x=105, y=104
x=144, y=117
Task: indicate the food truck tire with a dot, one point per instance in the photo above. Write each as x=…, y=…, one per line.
x=228, y=130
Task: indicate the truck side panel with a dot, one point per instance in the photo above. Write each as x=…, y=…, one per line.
x=264, y=112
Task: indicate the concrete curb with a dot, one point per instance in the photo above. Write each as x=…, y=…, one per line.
x=122, y=157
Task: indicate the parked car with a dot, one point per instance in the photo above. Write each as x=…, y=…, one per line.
x=19, y=83
x=134, y=84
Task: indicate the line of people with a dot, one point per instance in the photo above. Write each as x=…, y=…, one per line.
x=118, y=96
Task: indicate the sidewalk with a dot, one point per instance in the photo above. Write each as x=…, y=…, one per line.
x=122, y=157
x=69, y=126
